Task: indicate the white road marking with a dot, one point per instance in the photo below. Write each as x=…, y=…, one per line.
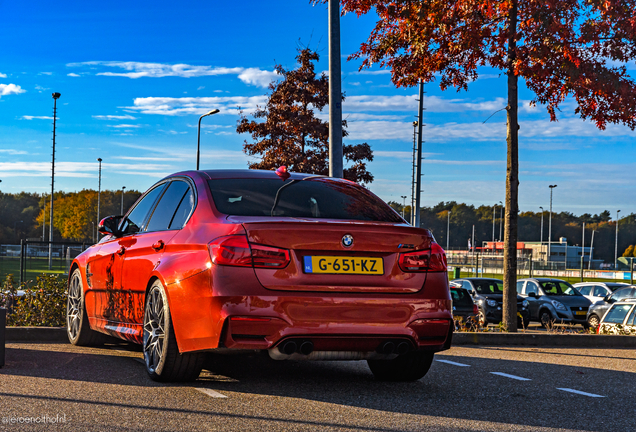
x=580, y=392
x=511, y=376
x=210, y=392
x=453, y=363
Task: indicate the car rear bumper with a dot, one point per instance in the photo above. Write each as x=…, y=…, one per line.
x=232, y=312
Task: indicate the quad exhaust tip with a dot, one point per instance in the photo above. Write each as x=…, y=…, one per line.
x=303, y=347
x=395, y=347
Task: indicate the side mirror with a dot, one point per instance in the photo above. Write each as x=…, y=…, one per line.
x=110, y=226
x=606, y=298
x=532, y=294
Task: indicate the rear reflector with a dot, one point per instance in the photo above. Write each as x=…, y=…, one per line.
x=235, y=250
x=433, y=259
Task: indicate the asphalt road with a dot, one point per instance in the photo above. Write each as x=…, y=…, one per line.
x=107, y=389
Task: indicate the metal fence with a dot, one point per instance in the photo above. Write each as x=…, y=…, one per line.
x=31, y=257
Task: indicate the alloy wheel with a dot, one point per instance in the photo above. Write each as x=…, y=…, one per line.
x=154, y=331
x=74, y=307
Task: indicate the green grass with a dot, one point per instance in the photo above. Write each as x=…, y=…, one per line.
x=34, y=267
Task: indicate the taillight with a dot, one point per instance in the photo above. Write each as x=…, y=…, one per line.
x=269, y=257
x=232, y=250
x=433, y=259
x=475, y=310
x=235, y=250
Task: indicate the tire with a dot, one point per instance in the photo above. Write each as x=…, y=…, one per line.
x=163, y=361
x=593, y=321
x=481, y=319
x=77, y=327
x=545, y=318
x=407, y=367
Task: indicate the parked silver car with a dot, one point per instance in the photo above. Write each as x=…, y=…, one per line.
x=595, y=291
x=554, y=300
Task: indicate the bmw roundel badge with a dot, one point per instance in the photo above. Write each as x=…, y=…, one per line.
x=347, y=240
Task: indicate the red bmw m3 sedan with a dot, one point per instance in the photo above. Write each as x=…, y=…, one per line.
x=301, y=266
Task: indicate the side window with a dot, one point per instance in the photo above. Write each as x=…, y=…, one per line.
x=165, y=211
x=584, y=290
x=137, y=217
x=520, y=287
x=467, y=285
x=617, y=314
x=621, y=294
x=632, y=319
x=600, y=291
x=532, y=287
x=183, y=211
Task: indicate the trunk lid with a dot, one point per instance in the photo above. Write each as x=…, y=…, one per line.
x=310, y=241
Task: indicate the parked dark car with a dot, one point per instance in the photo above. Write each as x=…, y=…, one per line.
x=554, y=300
x=488, y=296
x=464, y=307
x=598, y=309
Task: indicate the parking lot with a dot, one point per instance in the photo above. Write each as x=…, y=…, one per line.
x=467, y=389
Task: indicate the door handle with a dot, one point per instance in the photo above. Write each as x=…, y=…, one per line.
x=121, y=251
x=158, y=245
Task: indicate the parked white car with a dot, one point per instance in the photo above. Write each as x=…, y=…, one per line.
x=596, y=291
x=619, y=319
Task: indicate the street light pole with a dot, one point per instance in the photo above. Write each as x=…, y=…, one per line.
x=403, y=204
x=214, y=111
x=616, y=242
x=335, y=92
x=589, y=263
x=500, y=220
x=56, y=96
x=123, y=188
x=448, y=230
x=99, y=188
x=550, y=225
x=493, y=226
x=542, y=211
x=413, y=174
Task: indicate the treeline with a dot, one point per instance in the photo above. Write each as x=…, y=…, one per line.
x=564, y=224
x=74, y=214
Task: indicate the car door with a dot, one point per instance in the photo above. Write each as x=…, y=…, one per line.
x=165, y=219
x=112, y=304
x=598, y=293
x=534, y=303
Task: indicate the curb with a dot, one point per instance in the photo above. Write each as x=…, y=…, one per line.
x=36, y=334
x=544, y=340
x=58, y=334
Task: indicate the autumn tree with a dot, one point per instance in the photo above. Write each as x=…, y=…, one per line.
x=287, y=131
x=561, y=49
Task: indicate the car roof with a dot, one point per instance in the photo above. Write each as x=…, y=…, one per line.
x=542, y=279
x=479, y=279
x=248, y=173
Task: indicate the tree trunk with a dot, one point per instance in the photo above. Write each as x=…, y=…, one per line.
x=512, y=184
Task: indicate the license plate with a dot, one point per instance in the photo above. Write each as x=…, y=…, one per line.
x=581, y=313
x=344, y=265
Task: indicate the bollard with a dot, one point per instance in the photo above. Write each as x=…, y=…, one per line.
x=3, y=326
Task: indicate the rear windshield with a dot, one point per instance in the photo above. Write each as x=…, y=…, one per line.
x=316, y=198
x=461, y=297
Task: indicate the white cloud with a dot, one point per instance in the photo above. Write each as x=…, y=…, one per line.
x=28, y=117
x=402, y=155
x=200, y=87
x=257, y=77
x=134, y=70
x=46, y=73
x=370, y=72
x=491, y=131
x=114, y=117
x=409, y=103
x=72, y=74
x=13, y=152
x=124, y=126
x=196, y=105
x=8, y=89
x=3, y=75
x=71, y=169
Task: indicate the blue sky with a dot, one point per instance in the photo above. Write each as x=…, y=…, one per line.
x=135, y=77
